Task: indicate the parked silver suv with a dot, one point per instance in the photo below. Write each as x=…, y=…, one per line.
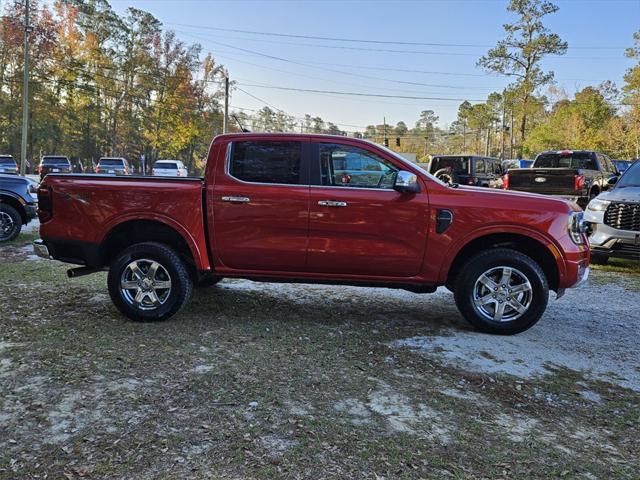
x=615, y=219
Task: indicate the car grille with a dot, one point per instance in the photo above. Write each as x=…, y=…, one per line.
x=623, y=216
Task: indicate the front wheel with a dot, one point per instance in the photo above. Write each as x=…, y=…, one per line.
x=149, y=282
x=10, y=222
x=501, y=291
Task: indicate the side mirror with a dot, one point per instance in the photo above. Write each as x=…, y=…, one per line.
x=406, y=182
x=613, y=180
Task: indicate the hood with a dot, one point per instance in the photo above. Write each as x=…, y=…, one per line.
x=503, y=196
x=624, y=194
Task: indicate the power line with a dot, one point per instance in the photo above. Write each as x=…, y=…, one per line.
x=389, y=50
x=360, y=94
x=360, y=40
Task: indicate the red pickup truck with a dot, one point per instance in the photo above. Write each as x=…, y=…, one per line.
x=314, y=209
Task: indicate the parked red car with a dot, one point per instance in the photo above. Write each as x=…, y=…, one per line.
x=314, y=209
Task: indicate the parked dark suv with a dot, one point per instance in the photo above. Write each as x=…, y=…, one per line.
x=113, y=166
x=54, y=164
x=467, y=170
x=615, y=219
x=8, y=165
x=18, y=204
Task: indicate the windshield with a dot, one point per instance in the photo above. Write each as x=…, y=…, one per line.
x=166, y=165
x=7, y=161
x=111, y=162
x=458, y=165
x=631, y=177
x=566, y=160
x=55, y=160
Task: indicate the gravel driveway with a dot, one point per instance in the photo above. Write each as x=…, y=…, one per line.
x=268, y=381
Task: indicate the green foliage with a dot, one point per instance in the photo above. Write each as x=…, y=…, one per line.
x=519, y=54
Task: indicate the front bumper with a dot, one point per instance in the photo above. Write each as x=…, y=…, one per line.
x=31, y=210
x=611, y=242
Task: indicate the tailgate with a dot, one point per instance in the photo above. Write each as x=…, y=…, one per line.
x=551, y=181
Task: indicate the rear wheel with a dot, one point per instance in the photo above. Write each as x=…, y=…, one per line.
x=501, y=291
x=10, y=222
x=149, y=282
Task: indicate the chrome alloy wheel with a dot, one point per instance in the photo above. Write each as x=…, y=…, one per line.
x=502, y=294
x=145, y=284
x=6, y=224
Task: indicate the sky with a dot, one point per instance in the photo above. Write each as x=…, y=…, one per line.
x=597, y=31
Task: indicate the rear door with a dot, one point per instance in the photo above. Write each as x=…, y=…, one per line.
x=260, y=204
x=359, y=225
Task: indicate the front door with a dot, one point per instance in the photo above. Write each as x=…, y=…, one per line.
x=359, y=224
x=260, y=204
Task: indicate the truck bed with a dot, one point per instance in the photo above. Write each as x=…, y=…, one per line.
x=96, y=204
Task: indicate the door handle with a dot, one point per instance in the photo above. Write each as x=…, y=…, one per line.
x=236, y=199
x=332, y=203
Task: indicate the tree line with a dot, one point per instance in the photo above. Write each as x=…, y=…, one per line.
x=108, y=84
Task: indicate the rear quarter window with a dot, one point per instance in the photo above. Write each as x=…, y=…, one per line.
x=266, y=162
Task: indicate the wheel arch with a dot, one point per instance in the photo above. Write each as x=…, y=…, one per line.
x=132, y=231
x=13, y=201
x=539, y=251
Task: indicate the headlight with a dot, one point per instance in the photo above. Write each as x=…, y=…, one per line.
x=597, y=205
x=32, y=189
x=577, y=227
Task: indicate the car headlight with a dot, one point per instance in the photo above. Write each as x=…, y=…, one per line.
x=577, y=227
x=598, y=205
x=32, y=189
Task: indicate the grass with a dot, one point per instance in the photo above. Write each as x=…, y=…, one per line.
x=23, y=238
x=253, y=383
x=620, y=265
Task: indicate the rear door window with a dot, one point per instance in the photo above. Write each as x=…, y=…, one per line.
x=266, y=162
x=479, y=166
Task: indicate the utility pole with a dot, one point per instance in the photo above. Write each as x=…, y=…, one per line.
x=488, y=139
x=25, y=91
x=511, y=134
x=384, y=140
x=225, y=122
x=464, y=135
x=502, y=129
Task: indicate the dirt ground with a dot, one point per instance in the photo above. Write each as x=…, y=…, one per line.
x=266, y=381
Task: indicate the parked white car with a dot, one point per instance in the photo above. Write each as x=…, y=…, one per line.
x=169, y=168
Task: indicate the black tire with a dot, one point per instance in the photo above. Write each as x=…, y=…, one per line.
x=208, y=281
x=10, y=222
x=598, y=259
x=169, y=301
x=536, y=298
